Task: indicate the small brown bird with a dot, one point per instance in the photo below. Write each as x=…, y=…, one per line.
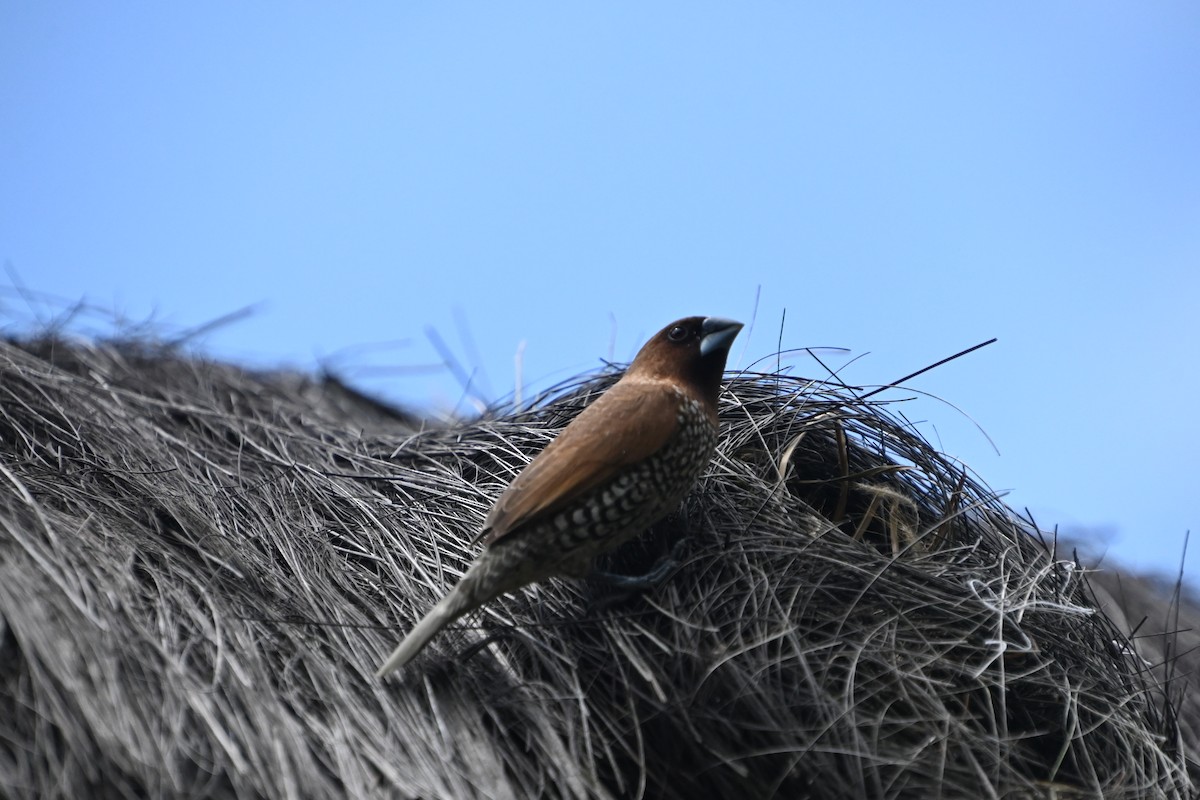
x=624, y=463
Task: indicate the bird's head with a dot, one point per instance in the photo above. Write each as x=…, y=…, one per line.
x=691, y=351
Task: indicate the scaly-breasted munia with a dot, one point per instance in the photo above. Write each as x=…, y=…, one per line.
x=624, y=463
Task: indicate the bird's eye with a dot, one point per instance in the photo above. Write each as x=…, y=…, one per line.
x=677, y=334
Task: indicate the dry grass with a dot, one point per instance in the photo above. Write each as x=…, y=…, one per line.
x=200, y=567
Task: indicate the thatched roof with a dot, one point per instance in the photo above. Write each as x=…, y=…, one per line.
x=201, y=566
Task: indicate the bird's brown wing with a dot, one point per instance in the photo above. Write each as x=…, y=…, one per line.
x=629, y=423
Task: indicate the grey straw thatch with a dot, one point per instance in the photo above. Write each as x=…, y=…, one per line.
x=201, y=566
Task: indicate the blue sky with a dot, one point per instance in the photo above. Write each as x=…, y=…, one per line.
x=559, y=180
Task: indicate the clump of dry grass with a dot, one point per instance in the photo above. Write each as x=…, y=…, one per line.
x=200, y=567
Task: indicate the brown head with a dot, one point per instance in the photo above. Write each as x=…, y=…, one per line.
x=691, y=352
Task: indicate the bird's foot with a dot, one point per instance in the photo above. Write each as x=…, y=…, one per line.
x=629, y=584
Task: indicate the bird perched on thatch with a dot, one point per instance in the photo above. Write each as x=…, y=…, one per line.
x=624, y=463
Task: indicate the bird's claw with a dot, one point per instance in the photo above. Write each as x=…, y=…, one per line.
x=662, y=569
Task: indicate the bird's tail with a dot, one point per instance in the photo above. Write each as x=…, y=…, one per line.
x=448, y=609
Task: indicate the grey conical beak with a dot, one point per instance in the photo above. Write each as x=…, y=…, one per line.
x=718, y=335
